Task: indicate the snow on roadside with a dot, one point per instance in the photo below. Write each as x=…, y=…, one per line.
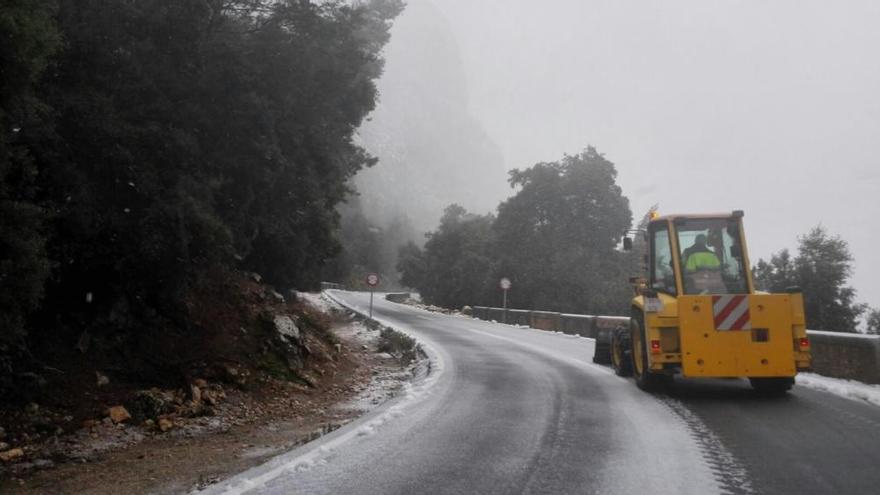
x=317, y=301
x=319, y=453
x=849, y=389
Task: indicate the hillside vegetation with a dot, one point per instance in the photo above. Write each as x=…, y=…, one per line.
x=151, y=151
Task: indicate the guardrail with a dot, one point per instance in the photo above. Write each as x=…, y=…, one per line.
x=852, y=356
x=519, y=317
x=584, y=325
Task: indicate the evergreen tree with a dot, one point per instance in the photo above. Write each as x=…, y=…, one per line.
x=411, y=265
x=30, y=39
x=873, y=322
x=169, y=140
x=455, y=267
x=821, y=269
x=776, y=275
x=557, y=237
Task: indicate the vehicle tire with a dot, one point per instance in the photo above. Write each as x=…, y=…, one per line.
x=645, y=380
x=620, y=354
x=772, y=386
x=602, y=353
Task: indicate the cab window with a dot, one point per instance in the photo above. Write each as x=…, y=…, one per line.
x=662, y=273
x=711, y=256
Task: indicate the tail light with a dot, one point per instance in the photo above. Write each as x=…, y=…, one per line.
x=804, y=344
x=655, y=346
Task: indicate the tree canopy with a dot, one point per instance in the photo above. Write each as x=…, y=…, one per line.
x=821, y=269
x=455, y=267
x=165, y=138
x=30, y=41
x=873, y=321
x=555, y=239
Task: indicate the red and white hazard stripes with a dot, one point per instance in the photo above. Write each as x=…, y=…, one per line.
x=731, y=312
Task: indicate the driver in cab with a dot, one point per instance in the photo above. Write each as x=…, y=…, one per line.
x=702, y=268
x=700, y=257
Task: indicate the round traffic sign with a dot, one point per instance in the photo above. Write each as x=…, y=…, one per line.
x=372, y=280
x=505, y=283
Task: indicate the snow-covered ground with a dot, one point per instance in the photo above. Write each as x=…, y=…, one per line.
x=849, y=389
x=318, y=301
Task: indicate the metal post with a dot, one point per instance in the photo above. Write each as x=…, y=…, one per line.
x=371, y=304
x=504, y=318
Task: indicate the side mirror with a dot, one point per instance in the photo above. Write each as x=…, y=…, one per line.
x=627, y=244
x=735, y=252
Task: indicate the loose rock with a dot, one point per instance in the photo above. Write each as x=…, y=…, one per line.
x=152, y=403
x=286, y=327
x=11, y=455
x=119, y=414
x=165, y=424
x=213, y=396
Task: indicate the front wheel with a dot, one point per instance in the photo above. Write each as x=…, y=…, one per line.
x=645, y=380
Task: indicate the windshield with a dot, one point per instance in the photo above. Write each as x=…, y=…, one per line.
x=711, y=256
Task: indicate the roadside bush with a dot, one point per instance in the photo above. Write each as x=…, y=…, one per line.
x=399, y=345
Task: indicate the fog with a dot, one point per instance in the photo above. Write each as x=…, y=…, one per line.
x=769, y=107
x=432, y=150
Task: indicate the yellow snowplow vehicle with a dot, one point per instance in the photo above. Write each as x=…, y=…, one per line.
x=697, y=312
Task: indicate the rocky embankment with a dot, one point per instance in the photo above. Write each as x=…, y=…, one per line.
x=167, y=440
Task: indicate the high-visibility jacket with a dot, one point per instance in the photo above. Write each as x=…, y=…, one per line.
x=702, y=260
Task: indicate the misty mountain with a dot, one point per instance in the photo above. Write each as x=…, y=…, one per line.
x=431, y=150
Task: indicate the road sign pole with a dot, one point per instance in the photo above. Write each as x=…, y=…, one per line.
x=504, y=283
x=372, y=282
x=504, y=318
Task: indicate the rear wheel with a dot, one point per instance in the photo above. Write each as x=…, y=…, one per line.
x=772, y=386
x=620, y=354
x=645, y=380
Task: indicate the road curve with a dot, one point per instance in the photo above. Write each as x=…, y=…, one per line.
x=510, y=410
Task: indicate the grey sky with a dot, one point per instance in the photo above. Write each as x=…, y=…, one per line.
x=771, y=107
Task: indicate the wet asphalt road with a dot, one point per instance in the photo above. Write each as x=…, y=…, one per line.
x=806, y=442
x=509, y=410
